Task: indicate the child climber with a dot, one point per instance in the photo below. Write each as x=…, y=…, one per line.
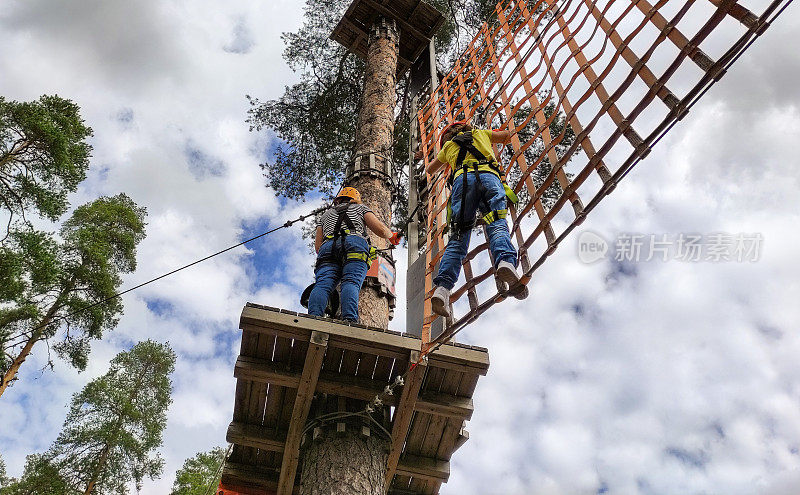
x=344, y=253
x=477, y=184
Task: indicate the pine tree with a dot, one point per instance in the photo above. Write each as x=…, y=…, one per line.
x=199, y=473
x=315, y=118
x=39, y=477
x=3, y=477
x=45, y=280
x=115, y=424
x=43, y=155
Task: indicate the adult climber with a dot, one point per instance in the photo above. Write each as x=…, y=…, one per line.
x=344, y=253
x=477, y=184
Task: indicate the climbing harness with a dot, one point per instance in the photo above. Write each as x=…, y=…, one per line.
x=340, y=233
x=480, y=164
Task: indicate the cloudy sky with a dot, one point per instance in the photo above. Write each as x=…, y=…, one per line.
x=634, y=377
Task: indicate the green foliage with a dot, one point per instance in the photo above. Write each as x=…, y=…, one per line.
x=40, y=477
x=534, y=152
x=4, y=481
x=199, y=473
x=316, y=118
x=44, y=279
x=116, y=422
x=43, y=155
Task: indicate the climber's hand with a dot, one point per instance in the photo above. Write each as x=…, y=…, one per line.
x=395, y=239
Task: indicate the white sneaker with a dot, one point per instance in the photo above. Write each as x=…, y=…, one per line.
x=440, y=302
x=507, y=273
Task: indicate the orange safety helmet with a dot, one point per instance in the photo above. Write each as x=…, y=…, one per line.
x=447, y=128
x=350, y=192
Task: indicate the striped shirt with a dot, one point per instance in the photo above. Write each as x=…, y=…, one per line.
x=354, y=211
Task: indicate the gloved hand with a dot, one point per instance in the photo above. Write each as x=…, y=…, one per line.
x=395, y=239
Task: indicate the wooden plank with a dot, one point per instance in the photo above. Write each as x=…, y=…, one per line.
x=424, y=468
x=383, y=368
x=258, y=396
x=361, y=339
x=442, y=432
x=403, y=414
x=305, y=393
x=255, y=436
x=419, y=425
x=281, y=397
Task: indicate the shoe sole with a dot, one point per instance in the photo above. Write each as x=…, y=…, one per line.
x=438, y=307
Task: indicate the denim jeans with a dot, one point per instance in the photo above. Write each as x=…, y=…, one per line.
x=328, y=274
x=498, y=233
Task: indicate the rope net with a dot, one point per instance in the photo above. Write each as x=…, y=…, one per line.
x=586, y=89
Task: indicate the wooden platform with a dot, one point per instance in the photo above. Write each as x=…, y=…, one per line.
x=287, y=357
x=416, y=20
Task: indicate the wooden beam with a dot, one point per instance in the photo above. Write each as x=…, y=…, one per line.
x=441, y=404
x=403, y=414
x=255, y=436
x=261, y=370
x=315, y=354
x=245, y=474
x=361, y=339
x=424, y=468
x=352, y=387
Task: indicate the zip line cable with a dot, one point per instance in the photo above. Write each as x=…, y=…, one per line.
x=288, y=223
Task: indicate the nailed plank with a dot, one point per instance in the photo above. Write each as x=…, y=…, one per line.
x=255, y=436
x=403, y=414
x=424, y=468
x=305, y=393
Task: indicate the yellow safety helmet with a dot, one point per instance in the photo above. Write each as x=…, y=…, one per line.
x=350, y=192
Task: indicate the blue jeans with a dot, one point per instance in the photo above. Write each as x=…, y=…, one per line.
x=329, y=273
x=498, y=233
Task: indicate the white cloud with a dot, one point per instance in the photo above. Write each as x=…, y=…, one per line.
x=676, y=378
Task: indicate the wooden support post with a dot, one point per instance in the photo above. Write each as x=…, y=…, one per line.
x=305, y=392
x=403, y=414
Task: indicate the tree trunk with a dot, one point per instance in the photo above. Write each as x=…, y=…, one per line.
x=117, y=427
x=375, y=134
x=100, y=463
x=349, y=463
x=11, y=372
x=344, y=464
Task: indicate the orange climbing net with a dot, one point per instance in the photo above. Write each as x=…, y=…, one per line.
x=570, y=79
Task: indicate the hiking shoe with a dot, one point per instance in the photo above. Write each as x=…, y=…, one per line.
x=440, y=302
